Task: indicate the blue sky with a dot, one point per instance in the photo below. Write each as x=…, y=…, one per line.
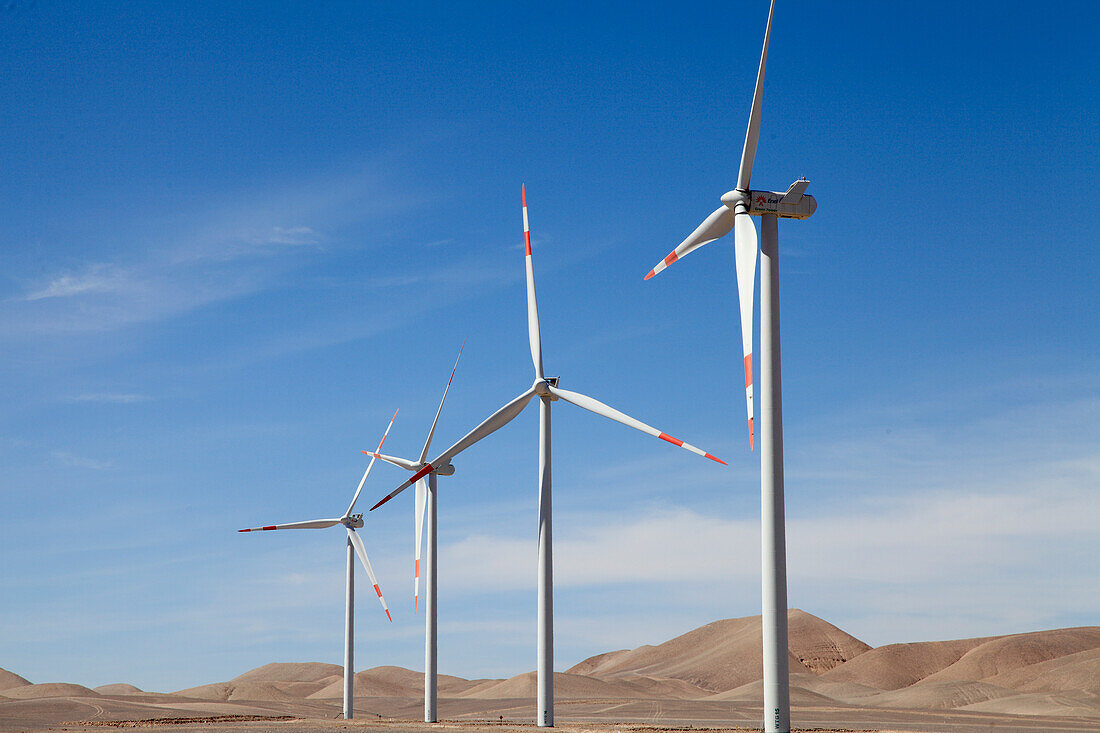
x=233, y=239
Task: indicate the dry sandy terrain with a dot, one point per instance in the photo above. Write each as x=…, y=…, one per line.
x=707, y=678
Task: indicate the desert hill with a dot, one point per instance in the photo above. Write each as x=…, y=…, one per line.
x=727, y=654
x=120, y=688
x=9, y=680
x=1007, y=661
x=705, y=675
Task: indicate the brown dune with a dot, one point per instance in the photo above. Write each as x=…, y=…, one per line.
x=11, y=679
x=940, y=695
x=254, y=690
x=120, y=688
x=566, y=686
x=49, y=689
x=895, y=666
x=753, y=692
x=1006, y=654
x=1080, y=671
x=290, y=672
x=1075, y=704
x=600, y=661
x=849, y=692
x=726, y=654
x=376, y=682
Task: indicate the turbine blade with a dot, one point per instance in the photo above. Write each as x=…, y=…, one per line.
x=428, y=442
x=403, y=463
x=600, y=408
x=494, y=422
x=418, y=518
x=752, y=134
x=312, y=524
x=357, y=543
x=370, y=466
x=532, y=302
x=744, y=243
x=718, y=224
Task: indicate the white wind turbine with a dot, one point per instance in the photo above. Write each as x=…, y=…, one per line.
x=547, y=390
x=737, y=206
x=426, y=503
x=354, y=547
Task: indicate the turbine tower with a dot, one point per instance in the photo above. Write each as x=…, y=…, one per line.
x=734, y=214
x=548, y=391
x=426, y=503
x=351, y=522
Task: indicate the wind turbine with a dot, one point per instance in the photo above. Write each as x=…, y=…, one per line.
x=737, y=206
x=351, y=522
x=548, y=391
x=426, y=502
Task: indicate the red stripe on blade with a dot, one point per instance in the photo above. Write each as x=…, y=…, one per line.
x=244, y=530
x=527, y=242
x=422, y=472
x=387, y=498
x=670, y=439
x=271, y=527
x=708, y=455
x=389, y=616
x=417, y=569
x=651, y=274
x=751, y=434
x=672, y=257
x=523, y=187
x=748, y=369
x=377, y=590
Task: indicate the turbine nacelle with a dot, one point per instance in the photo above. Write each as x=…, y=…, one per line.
x=791, y=204
x=353, y=521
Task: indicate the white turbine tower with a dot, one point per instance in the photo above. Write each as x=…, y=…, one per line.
x=426, y=503
x=547, y=390
x=354, y=547
x=737, y=206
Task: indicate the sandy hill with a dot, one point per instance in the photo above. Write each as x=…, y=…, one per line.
x=1080, y=671
x=569, y=686
x=11, y=679
x=1010, y=662
x=290, y=672
x=120, y=688
x=714, y=668
x=727, y=654
x=275, y=682
x=49, y=689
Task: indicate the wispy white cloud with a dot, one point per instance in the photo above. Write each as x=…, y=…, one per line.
x=97, y=278
x=69, y=459
x=294, y=236
x=205, y=257
x=119, y=398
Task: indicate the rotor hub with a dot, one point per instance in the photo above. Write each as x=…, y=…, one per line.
x=353, y=521
x=542, y=387
x=732, y=198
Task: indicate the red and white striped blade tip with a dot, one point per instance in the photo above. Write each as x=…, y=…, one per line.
x=680, y=443
x=752, y=435
x=672, y=257
x=258, y=529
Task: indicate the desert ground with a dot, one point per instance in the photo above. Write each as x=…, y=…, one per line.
x=708, y=678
